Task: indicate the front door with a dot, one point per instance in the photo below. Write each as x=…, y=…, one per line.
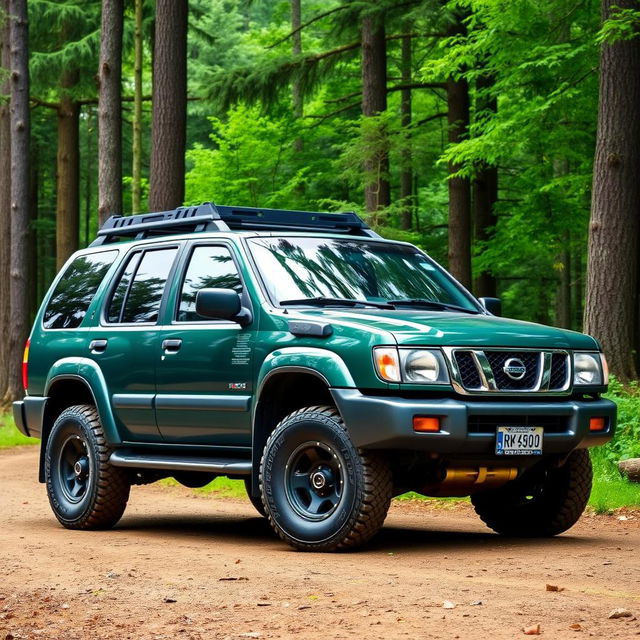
x=204, y=366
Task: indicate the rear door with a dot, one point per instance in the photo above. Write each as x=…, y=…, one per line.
x=203, y=365
x=126, y=343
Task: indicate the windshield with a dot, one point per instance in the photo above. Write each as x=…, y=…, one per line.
x=298, y=268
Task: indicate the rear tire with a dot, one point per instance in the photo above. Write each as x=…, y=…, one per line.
x=544, y=502
x=85, y=491
x=320, y=492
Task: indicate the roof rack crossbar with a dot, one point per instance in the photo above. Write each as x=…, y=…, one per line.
x=211, y=217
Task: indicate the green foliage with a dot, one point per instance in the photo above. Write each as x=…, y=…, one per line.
x=250, y=164
x=626, y=443
x=622, y=24
x=10, y=436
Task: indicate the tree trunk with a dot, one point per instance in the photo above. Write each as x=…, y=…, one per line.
x=88, y=186
x=563, y=294
x=459, y=188
x=406, y=172
x=136, y=191
x=109, y=110
x=374, y=102
x=68, y=174
x=168, y=136
x=612, y=306
x=296, y=93
x=485, y=186
x=5, y=203
x=19, y=155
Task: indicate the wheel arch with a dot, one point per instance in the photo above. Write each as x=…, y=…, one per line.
x=281, y=392
x=68, y=388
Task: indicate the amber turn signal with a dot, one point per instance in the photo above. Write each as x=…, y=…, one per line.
x=426, y=424
x=597, y=424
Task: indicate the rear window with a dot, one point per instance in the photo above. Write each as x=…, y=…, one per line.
x=75, y=290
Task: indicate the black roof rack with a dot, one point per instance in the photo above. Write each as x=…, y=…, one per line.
x=211, y=217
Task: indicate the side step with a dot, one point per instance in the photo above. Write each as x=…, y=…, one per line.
x=222, y=466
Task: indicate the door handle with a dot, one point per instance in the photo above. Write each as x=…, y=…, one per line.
x=97, y=346
x=172, y=346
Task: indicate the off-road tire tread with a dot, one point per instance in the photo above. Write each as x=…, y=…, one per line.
x=377, y=489
x=545, y=520
x=112, y=483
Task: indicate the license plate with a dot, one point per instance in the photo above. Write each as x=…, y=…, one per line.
x=519, y=441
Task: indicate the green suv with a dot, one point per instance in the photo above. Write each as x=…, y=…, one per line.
x=327, y=367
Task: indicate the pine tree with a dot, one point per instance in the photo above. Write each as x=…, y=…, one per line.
x=5, y=195
x=169, y=121
x=611, y=309
x=109, y=110
x=19, y=156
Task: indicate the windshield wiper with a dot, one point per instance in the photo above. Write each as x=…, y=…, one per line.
x=322, y=301
x=432, y=304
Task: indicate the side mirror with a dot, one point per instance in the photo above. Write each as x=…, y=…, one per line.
x=492, y=305
x=222, y=304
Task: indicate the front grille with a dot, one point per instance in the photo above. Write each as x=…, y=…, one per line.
x=468, y=370
x=509, y=370
x=530, y=359
x=489, y=424
x=559, y=371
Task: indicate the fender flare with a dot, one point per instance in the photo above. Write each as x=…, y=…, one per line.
x=89, y=373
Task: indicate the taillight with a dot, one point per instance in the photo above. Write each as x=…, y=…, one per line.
x=25, y=366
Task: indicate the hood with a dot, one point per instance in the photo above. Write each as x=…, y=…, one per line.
x=433, y=328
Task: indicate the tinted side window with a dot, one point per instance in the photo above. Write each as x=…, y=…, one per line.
x=75, y=291
x=117, y=301
x=209, y=268
x=139, y=291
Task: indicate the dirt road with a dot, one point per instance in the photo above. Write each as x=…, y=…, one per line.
x=179, y=566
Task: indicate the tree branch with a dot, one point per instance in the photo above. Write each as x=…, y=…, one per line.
x=306, y=24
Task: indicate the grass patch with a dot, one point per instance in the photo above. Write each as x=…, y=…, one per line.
x=612, y=493
x=9, y=434
x=220, y=487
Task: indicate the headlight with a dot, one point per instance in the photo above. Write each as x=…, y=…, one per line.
x=589, y=369
x=418, y=366
x=422, y=366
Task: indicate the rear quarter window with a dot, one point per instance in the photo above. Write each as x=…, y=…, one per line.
x=76, y=289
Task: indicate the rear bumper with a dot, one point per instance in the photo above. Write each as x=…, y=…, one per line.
x=28, y=415
x=387, y=423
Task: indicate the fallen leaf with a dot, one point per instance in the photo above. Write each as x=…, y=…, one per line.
x=554, y=587
x=448, y=605
x=533, y=630
x=575, y=627
x=620, y=613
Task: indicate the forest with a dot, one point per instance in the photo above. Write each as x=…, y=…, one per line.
x=501, y=137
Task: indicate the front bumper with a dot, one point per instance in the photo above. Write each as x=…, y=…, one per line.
x=376, y=422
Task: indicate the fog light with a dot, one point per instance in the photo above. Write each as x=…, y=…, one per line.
x=426, y=424
x=597, y=424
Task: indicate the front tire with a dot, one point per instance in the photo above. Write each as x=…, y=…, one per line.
x=85, y=491
x=544, y=502
x=320, y=492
